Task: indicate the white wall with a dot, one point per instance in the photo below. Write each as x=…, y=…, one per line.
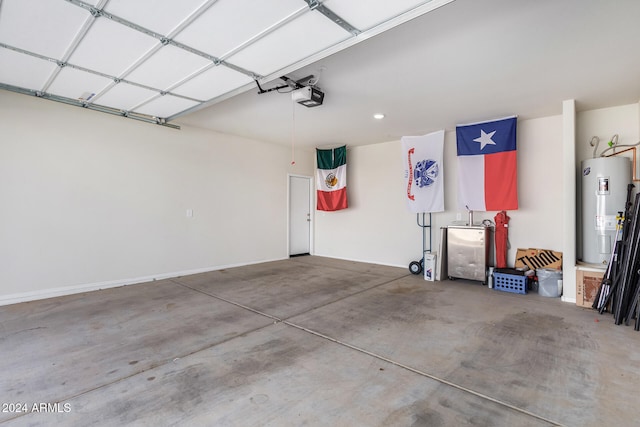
x=378, y=228
x=604, y=123
x=567, y=212
x=91, y=200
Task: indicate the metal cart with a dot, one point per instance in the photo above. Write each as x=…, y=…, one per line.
x=416, y=267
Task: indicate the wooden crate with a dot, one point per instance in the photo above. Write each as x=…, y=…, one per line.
x=587, y=284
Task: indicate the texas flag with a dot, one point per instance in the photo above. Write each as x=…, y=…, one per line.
x=487, y=165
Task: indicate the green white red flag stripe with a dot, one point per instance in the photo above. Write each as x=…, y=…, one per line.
x=331, y=179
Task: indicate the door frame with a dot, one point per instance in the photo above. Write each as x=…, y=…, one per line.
x=311, y=211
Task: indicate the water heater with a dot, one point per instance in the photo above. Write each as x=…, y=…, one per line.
x=604, y=194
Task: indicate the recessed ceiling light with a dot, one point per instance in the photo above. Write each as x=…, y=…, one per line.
x=378, y=116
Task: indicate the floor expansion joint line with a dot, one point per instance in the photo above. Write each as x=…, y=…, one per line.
x=237, y=304
x=345, y=297
x=150, y=368
x=277, y=319
x=377, y=356
x=424, y=374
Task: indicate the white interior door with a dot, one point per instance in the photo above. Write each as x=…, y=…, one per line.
x=299, y=215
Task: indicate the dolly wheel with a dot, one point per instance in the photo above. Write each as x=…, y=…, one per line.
x=415, y=267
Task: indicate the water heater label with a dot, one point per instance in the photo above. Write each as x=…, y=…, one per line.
x=606, y=222
x=603, y=185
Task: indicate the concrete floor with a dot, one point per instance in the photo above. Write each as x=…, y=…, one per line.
x=314, y=341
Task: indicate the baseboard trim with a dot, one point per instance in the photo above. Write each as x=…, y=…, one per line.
x=89, y=287
x=362, y=260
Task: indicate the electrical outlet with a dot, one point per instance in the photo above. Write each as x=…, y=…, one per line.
x=458, y=216
x=189, y=213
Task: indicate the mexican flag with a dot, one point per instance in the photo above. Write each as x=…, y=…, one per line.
x=331, y=179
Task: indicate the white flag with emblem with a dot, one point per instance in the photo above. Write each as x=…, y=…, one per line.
x=424, y=185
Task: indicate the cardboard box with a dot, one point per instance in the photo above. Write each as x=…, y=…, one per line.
x=587, y=285
x=538, y=258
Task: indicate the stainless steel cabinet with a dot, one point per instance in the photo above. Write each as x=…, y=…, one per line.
x=468, y=252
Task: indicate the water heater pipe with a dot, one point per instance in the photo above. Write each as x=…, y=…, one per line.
x=635, y=178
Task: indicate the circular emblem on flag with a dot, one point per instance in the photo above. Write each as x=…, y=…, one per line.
x=331, y=180
x=425, y=173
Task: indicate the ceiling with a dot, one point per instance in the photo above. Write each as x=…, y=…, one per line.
x=157, y=60
x=425, y=65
